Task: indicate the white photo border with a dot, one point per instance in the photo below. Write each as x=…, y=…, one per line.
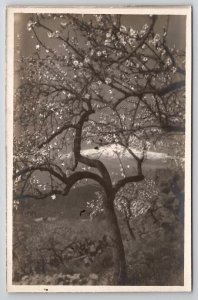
x=138, y=10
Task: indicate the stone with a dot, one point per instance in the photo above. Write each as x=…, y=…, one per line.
x=66, y=281
x=47, y=279
x=69, y=277
x=86, y=261
x=38, y=220
x=25, y=277
x=26, y=225
x=90, y=282
x=83, y=281
x=76, y=276
x=92, y=249
x=51, y=219
x=93, y=276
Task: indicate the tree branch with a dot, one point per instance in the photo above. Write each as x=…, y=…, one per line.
x=72, y=179
x=121, y=183
x=77, y=148
x=160, y=92
x=59, y=131
x=41, y=168
x=154, y=18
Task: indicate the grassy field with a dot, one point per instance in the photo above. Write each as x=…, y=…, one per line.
x=66, y=247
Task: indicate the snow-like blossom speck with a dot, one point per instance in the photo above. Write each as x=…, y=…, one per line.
x=63, y=24
x=108, y=80
x=75, y=63
x=53, y=197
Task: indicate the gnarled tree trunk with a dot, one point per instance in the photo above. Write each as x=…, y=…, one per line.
x=120, y=268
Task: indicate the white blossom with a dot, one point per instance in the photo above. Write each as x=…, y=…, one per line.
x=86, y=60
x=168, y=61
x=88, y=43
x=57, y=33
x=30, y=24
x=92, y=52
x=53, y=197
x=63, y=24
x=108, y=80
x=145, y=26
x=122, y=40
x=75, y=63
x=98, y=17
x=108, y=34
x=133, y=33
x=87, y=96
x=123, y=28
x=107, y=42
x=50, y=34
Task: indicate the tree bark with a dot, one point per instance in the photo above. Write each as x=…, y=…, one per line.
x=120, y=267
x=132, y=234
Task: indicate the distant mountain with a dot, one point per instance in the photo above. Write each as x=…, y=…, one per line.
x=118, y=161
x=112, y=151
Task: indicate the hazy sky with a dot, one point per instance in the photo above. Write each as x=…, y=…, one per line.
x=176, y=31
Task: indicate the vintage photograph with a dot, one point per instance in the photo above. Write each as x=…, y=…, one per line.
x=99, y=149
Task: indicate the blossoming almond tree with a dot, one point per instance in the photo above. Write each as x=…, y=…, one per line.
x=93, y=80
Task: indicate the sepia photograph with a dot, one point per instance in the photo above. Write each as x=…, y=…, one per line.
x=98, y=115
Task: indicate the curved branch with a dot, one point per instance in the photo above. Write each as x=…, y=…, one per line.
x=69, y=181
x=41, y=168
x=72, y=179
x=95, y=163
